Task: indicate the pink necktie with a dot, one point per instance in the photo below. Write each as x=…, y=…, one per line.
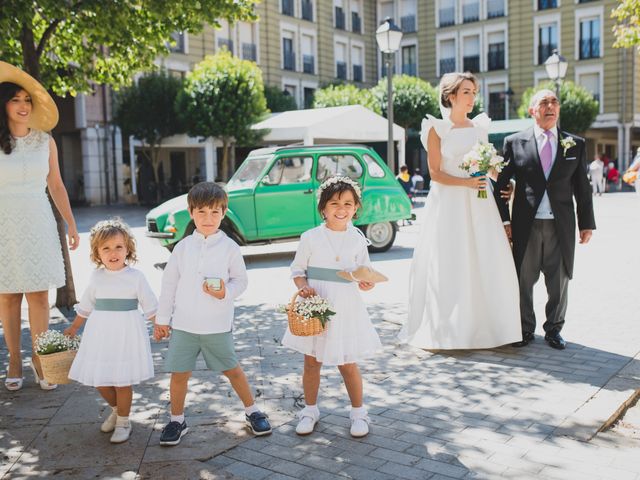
x=546, y=153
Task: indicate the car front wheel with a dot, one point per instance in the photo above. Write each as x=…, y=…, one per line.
x=381, y=235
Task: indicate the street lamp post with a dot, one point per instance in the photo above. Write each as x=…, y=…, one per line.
x=556, y=67
x=388, y=37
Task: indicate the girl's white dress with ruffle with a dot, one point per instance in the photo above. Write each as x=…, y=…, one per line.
x=115, y=349
x=30, y=250
x=350, y=336
x=463, y=285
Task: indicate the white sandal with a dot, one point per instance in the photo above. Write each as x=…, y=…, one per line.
x=44, y=385
x=13, y=384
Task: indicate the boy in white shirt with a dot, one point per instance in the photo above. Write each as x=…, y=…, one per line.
x=204, y=275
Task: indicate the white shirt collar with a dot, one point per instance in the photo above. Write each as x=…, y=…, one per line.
x=210, y=239
x=537, y=131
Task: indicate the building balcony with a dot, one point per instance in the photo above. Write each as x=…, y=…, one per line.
x=471, y=63
x=545, y=50
x=356, y=22
x=308, y=64
x=408, y=23
x=495, y=58
x=471, y=12
x=447, y=16
x=357, y=73
x=495, y=8
x=339, y=18
x=546, y=4
x=589, y=48
x=447, y=65
x=287, y=7
x=225, y=42
x=307, y=10
x=249, y=51
x=341, y=70
x=410, y=69
x=289, y=61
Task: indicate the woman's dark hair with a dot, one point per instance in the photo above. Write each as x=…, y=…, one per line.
x=8, y=90
x=339, y=188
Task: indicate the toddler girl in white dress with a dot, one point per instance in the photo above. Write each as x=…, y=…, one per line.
x=350, y=336
x=115, y=352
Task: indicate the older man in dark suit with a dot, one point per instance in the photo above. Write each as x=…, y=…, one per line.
x=550, y=169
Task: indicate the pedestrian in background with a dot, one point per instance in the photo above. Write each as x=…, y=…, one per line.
x=114, y=353
x=596, y=174
x=30, y=249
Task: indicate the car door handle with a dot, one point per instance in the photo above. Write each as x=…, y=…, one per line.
x=306, y=192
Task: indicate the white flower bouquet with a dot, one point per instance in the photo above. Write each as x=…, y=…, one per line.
x=481, y=158
x=56, y=352
x=308, y=316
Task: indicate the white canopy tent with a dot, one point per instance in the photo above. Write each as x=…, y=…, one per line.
x=349, y=124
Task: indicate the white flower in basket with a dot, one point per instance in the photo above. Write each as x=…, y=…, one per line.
x=308, y=316
x=56, y=353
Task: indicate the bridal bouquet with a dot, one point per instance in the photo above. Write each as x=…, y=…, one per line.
x=481, y=158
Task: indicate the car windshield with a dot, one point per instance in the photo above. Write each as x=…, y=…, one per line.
x=247, y=175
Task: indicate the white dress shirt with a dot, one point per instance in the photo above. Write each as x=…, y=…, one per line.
x=544, y=209
x=183, y=304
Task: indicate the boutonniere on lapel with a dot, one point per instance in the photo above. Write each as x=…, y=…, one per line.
x=567, y=143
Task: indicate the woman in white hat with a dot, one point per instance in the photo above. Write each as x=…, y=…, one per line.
x=31, y=254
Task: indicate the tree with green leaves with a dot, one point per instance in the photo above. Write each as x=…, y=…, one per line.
x=627, y=27
x=413, y=99
x=147, y=110
x=279, y=100
x=578, y=108
x=222, y=97
x=70, y=44
x=345, y=94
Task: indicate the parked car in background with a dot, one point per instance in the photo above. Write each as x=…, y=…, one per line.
x=273, y=197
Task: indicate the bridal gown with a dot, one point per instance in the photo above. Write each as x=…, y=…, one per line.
x=463, y=285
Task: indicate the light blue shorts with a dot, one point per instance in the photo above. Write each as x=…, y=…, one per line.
x=217, y=350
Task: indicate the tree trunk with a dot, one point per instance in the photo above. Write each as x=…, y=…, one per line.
x=155, y=163
x=232, y=159
x=225, y=159
x=66, y=295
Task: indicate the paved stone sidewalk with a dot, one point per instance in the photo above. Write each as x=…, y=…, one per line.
x=503, y=413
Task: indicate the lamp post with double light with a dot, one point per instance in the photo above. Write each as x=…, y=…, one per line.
x=556, y=67
x=388, y=37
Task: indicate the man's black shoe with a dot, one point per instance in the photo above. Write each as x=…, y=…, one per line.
x=527, y=338
x=258, y=423
x=555, y=340
x=172, y=433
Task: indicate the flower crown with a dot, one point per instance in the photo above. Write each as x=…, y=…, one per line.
x=334, y=180
x=116, y=223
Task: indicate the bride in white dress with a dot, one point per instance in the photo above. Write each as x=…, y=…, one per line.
x=463, y=289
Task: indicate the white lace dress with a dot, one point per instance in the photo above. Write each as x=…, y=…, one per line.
x=350, y=336
x=30, y=250
x=463, y=289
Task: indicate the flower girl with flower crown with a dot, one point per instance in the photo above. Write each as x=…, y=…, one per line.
x=349, y=337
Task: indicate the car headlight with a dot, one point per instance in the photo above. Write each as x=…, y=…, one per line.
x=171, y=224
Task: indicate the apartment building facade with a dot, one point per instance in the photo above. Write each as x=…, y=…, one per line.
x=303, y=45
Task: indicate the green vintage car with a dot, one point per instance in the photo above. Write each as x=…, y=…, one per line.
x=272, y=196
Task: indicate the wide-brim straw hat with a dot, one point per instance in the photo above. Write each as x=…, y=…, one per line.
x=363, y=274
x=44, y=115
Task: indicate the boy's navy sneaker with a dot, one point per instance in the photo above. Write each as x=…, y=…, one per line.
x=258, y=423
x=173, y=432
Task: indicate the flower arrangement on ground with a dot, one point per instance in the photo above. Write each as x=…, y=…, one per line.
x=481, y=159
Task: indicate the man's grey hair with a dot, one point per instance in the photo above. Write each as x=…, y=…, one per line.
x=539, y=95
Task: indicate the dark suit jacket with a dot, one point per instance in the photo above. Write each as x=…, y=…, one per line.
x=568, y=179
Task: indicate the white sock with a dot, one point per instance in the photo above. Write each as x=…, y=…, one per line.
x=358, y=412
x=312, y=409
x=252, y=409
x=177, y=418
x=122, y=421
